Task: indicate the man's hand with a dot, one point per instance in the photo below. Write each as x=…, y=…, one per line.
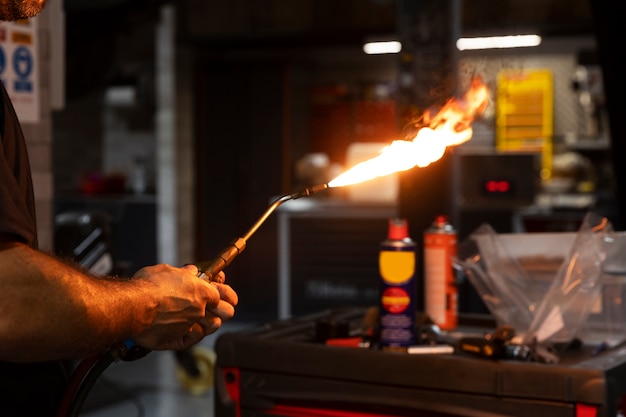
x=184, y=307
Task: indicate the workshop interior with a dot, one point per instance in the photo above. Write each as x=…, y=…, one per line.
x=432, y=230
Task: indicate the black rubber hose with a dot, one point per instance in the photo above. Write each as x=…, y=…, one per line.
x=90, y=379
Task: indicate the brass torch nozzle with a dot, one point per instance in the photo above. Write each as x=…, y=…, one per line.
x=308, y=191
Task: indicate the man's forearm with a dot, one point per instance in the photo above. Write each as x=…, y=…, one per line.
x=50, y=310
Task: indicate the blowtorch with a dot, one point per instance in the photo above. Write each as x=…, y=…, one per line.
x=208, y=270
x=89, y=370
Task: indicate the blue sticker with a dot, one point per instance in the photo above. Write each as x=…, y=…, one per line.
x=23, y=86
x=22, y=62
x=3, y=60
x=23, y=67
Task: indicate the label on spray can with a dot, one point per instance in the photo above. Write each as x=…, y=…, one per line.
x=397, y=290
x=440, y=289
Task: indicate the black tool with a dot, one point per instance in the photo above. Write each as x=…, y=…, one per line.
x=496, y=345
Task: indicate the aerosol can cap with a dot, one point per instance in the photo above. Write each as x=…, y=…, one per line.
x=398, y=229
x=441, y=220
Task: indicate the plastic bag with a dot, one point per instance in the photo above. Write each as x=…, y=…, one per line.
x=552, y=310
x=566, y=307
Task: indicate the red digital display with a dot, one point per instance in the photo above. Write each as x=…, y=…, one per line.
x=497, y=186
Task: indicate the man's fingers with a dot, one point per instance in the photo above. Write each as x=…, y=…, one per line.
x=220, y=277
x=210, y=324
x=227, y=293
x=224, y=311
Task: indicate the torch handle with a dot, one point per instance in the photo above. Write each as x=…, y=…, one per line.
x=209, y=270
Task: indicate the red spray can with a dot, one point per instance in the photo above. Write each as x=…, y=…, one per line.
x=440, y=289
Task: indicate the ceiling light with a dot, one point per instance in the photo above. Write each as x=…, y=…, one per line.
x=492, y=42
x=386, y=47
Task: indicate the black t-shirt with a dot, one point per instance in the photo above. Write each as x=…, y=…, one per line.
x=17, y=204
x=32, y=389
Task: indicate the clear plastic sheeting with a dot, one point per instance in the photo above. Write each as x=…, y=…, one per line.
x=548, y=287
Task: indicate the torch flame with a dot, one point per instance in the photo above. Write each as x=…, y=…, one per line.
x=451, y=126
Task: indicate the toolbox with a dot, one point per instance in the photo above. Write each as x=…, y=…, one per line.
x=283, y=369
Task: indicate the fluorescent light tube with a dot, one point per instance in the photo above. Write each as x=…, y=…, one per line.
x=492, y=42
x=386, y=47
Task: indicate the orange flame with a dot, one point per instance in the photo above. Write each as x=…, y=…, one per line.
x=451, y=126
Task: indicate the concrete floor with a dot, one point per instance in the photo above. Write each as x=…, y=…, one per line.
x=150, y=387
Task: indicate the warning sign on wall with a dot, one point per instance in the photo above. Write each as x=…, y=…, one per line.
x=18, y=69
x=525, y=113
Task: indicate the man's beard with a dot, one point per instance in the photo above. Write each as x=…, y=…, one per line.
x=12, y=10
